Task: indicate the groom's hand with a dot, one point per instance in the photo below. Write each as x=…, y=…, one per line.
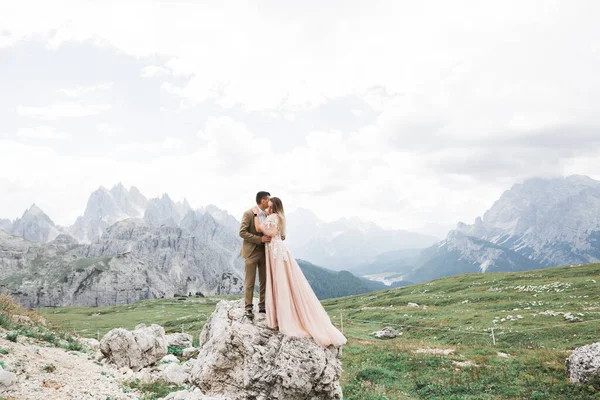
x=265, y=239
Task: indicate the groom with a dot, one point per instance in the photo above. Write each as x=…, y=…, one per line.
x=253, y=252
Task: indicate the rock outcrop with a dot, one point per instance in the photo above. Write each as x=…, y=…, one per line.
x=583, y=366
x=131, y=261
x=135, y=349
x=240, y=359
x=183, y=340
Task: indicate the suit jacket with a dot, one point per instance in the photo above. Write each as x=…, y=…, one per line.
x=251, y=236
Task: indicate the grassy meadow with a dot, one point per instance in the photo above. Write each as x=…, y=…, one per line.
x=446, y=349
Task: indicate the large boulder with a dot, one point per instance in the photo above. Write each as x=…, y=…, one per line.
x=134, y=349
x=183, y=340
x=583, y=365
x=243, y=359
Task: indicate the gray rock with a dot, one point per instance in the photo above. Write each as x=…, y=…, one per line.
x=236, y=353
x=91, y=344
x=183, y=340
x=7, y=378
x=169, y=358
x=190, y=352
x=571, y=318
x=175, y=373
x=584, y=364
x=386, y=333
x=134, y=349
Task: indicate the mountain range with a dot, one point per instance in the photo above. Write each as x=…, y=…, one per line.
x=542, y=222
x=122, y=235
x=126, y=247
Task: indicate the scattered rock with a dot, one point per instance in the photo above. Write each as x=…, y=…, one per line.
x=464, y=364
x=92, y=344
x=236, y=353
x=412, y=305
x=144, y=376
x=189, y=352
x=386, y=333
x=443, y=352
x=7, y=378
x=134, y=349
x=571, y=318
x=175, y=373
x=503, y=355
x=182, y=340
x=584, y=363
x=169, y=358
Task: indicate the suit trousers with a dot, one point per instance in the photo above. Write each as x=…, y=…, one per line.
x=255, y=261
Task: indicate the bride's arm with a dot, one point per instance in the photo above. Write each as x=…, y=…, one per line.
x=257, y=224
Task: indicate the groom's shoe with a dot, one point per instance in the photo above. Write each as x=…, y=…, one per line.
x=249, y=314
x=262, y=311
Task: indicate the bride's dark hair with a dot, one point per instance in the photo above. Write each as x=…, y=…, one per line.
x=278, y=209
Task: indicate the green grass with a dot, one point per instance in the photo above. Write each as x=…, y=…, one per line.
x=186, y=313
x=460, y=314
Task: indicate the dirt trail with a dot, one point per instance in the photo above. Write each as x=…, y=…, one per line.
x=45, y=373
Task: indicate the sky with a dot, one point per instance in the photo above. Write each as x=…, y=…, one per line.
x=413, y=115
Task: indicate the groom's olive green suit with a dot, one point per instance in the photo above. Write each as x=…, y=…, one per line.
x=253, y=252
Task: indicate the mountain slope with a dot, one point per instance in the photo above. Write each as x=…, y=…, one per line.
x=328, y=284
x=539, y=223
x=131, y=261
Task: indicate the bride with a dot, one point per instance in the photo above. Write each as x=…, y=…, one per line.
x=291, y=304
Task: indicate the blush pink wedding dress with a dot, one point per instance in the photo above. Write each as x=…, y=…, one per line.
x=291, y=304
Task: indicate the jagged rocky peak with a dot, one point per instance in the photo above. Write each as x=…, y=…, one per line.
x=164, y=211
x=104, y=208
x=5, y=225
x=35, y=225
x=221, y=216
x=525, y=204
x=131, y=202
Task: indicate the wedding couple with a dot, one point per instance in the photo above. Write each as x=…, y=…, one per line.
x=286, y=297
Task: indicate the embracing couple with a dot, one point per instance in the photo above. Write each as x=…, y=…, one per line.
x=286, y=297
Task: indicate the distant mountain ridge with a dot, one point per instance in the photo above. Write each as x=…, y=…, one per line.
x=539, y=223
x=346, y=243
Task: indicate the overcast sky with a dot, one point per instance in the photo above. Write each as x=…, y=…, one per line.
x=411, y=114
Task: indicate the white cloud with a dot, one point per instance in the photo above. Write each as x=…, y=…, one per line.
x=106, y=129
x=168, y=144
x=42, y=132
x=83, y=90
x=233, y=144
x=151, y=71
x=467, y=99
x=62, y=110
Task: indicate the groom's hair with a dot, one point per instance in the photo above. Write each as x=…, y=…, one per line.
x=261, y=195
